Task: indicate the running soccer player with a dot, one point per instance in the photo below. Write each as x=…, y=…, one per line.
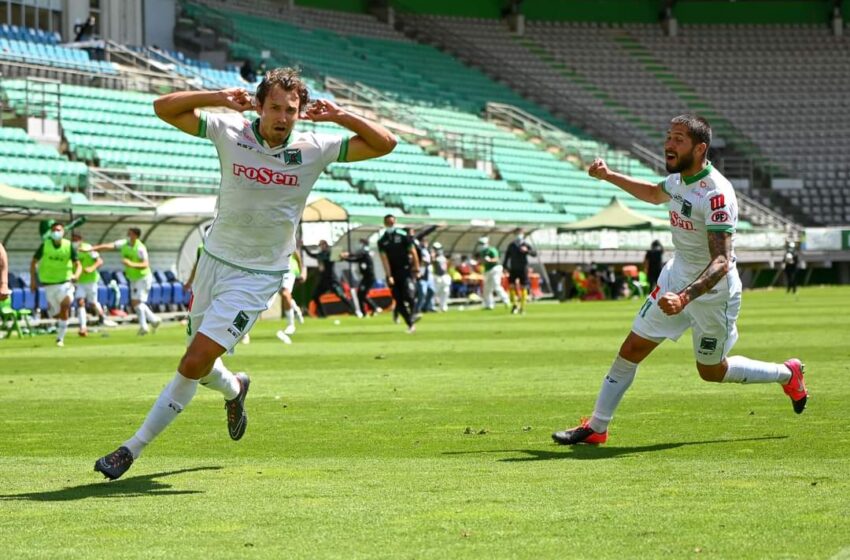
x=268, y=170
x=87, y=284
x=290, y=308
x=698, y=288
x=137, y=269
x=56, y=266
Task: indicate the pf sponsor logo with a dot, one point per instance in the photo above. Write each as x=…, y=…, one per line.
x=678, y=221
x=264, y=175
x=720, y=217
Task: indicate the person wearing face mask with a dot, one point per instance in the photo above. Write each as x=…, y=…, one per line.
x=489, y=257
x=516, y=261
x=401, y=265
x=86, y=294
x=56, y=266
x=137, y=269
x=366, y=267
x=328, y=281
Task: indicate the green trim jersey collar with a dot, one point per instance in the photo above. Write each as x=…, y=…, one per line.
x=255, y=126
x=702, y=174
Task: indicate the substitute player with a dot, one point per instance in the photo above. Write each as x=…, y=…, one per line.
x=137, y=269
x=56, y=266
x=87, y=284
x=698, y=288
x=268, y=170
x=489, y=257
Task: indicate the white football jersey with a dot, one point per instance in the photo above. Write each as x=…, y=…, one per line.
x=699, y=204
x=263, y=191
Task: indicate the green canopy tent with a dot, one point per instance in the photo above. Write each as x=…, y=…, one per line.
x=616, y=216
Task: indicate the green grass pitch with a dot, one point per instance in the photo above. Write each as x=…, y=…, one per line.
x=365, y=442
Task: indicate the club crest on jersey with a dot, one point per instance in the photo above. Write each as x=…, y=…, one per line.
x=292, y=156
x=678, y=221
x=264, y=175
x=687, y=208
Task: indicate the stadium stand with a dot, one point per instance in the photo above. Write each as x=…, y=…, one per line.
x=634, y=77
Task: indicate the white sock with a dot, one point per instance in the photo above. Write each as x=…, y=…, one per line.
x=222, y=380
x=99, y=309
x=143, y=318
x=290, y=317
x=61, y=327
x=81, y=313
x=745, y=370
x=614, y=386
x=173, y=399
x=297, y=309
x=149, y=314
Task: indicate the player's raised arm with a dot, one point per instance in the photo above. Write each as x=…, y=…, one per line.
x=643, y=190
x=181, y=109
x=372, y=140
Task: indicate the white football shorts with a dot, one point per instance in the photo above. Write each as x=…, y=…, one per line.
x=228, y=301
x=711, y=317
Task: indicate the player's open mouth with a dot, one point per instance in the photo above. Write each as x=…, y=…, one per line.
x=670, y=157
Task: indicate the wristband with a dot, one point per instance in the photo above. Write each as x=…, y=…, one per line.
x=684, y=298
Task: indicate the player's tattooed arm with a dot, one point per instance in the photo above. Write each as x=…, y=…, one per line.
x=720, y=249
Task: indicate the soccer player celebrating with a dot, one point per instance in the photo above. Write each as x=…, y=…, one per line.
x=134, y=256
x=58, y=267
x=87, y=284
x=268, y=170
x=698, y=288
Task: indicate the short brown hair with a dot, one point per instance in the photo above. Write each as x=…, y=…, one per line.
x=289, y=79
x=698, y=128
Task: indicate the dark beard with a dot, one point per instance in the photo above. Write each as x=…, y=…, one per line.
x=684, y=163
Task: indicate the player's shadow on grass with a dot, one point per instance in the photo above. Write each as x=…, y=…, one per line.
x=133, y=487
x=590, y=452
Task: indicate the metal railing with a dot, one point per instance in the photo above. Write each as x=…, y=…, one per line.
x=148, y=187
x=138, y=81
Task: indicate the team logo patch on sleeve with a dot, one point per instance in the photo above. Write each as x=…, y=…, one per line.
x=292, y=156
x=717, y=202
x=720, y=217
